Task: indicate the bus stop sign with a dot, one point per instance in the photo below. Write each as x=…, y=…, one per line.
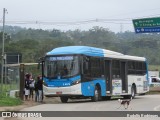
x=147, y=25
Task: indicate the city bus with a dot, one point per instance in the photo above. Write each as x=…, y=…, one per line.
x=75, y=72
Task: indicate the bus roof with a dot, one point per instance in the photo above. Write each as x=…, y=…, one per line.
x=92, y=51
x=86, y=50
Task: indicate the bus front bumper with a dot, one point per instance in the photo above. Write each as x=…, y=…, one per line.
x=62, y=91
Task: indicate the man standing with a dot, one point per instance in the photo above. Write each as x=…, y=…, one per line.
x=36, y=90
x=40, y=88
x=27, y=82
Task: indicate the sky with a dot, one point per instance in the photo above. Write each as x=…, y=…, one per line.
x=115, y=15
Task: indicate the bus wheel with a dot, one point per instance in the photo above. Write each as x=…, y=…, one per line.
x=133, y=91
x=96, y=96
x=106, y=97
x=127, y=96
x=64, y=99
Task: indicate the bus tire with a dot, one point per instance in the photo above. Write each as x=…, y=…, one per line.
x=64, y=99
x=106, y=97
x=133, y=91
x=48, y=96
x=142, y=94
x=96, y=95
x=127, y=96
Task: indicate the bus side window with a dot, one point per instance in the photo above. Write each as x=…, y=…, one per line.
x=86, y=65
x=86, y=68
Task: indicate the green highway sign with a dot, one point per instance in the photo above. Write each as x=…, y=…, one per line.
x=147, y=25
x=146, y=22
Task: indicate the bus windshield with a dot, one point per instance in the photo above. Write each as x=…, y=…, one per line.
x=59, y=67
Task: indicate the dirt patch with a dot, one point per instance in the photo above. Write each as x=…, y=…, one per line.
x=30, y=103
x=51, y=100
x=18, y=107
x=155, y=89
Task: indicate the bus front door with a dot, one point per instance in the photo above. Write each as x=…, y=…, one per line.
x=108, y=76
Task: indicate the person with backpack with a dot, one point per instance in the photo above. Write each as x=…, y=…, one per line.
x=31, y=87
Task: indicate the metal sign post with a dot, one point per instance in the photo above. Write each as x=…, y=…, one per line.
x=21, y=71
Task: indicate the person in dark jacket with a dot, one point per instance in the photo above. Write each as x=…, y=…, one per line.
x=27, y=82
x=36, y=90
x=39, y=87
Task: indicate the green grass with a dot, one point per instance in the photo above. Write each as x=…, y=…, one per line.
x=5, y=99
x=153, y=92
x=9, y=87
x=9, y=101
x=154, y=67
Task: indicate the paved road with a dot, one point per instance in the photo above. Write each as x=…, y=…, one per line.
x=141, y=103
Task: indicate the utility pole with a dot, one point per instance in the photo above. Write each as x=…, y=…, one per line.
x=4, y=11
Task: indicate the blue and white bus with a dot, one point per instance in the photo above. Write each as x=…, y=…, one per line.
x=83, y=72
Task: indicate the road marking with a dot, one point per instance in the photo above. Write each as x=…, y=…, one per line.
x=157, y=108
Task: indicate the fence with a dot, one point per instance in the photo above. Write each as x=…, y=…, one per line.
x=12, y=75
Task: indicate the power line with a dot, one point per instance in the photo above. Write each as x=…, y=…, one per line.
x=108, y=20
x=114, y=21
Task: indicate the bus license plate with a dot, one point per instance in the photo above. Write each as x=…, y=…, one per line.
x=58, y=92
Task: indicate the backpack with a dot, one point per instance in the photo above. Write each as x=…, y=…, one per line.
x=31, y=85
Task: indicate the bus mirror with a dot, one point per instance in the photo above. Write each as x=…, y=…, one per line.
x=40, y=61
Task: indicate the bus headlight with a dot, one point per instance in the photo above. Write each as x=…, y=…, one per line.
x=75, y=82
x=45, y=84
